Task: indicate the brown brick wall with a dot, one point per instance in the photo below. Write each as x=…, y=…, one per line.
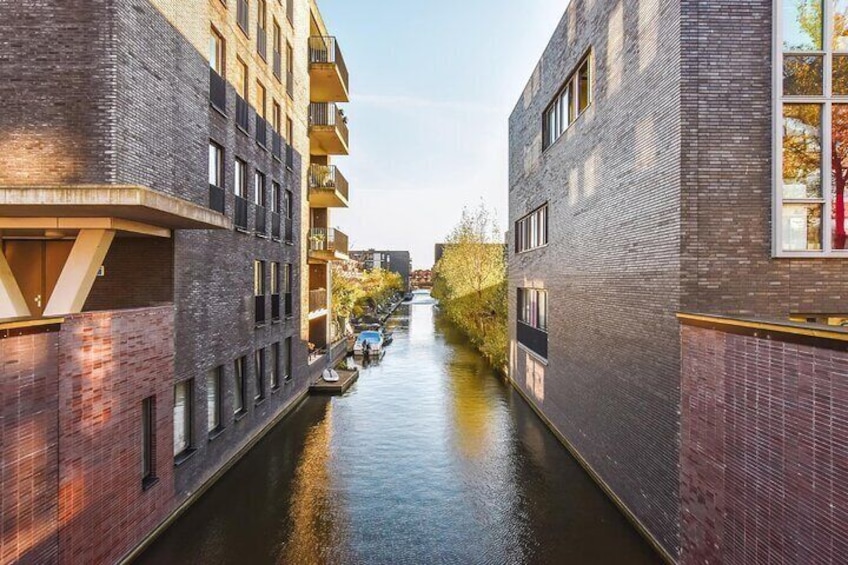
x=764, y=455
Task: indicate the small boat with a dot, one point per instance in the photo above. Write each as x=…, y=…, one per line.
x=388, y=338
x=370, y=342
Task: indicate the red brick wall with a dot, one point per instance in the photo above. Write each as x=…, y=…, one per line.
x=764, y=450
x=70, y=419
x=28, y=443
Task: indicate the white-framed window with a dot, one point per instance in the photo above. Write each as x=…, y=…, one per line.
x=240, y=183
x=216, y=165
x=531, y=231
x=533, y=308
x=569, y=103
x=259, y=188
x=811, y=129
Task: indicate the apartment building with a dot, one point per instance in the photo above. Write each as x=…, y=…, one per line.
x=399, y=262
x=677, y=211
x=156, y=221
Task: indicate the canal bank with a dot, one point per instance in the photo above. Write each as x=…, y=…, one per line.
x=429, y=457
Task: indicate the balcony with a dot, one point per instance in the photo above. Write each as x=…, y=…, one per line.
x=240, y=219
x=533, y=339
x=217, y=198
x=276, y=222
x=318, y=303
x=242, y=114
x=261, y=227
x=261, y=131
x=328, y=133
x=327, y=187
x=217, y=91
x=328, y=73
x=327, y=245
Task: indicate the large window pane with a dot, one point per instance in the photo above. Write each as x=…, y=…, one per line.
x=802, y=25
x=802, y=227
x=840, y=75
x=182, y=420
x=238, y=392
x=803, y=75
x=213, y=399
x=585, y=92
x=839, y=144
x=802, y=151
x=840, y=25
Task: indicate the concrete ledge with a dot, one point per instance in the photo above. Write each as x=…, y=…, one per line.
x=127, y=202
x=819, y=335
x=17, y=328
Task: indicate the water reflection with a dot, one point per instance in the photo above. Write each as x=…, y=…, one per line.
x=429, y=458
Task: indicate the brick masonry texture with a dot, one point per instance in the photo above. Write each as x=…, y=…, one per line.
x=764, y=455
x=660, y=201
x=71, y=436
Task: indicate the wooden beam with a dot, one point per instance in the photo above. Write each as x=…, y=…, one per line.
x=79, y=272
x=12, y=301
x=115, y=224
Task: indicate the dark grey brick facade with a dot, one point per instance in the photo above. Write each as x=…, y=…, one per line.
x=660, y=201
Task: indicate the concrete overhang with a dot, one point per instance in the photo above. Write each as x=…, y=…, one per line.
x=133, y=205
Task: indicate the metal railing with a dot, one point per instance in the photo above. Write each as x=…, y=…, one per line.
x=240, y=219
x=261, y=131
x=242, y=15
x=322, y=239
x=328, y=114
x=217, y=198
x=278, y=65
x=261, y=225
x=217, y=90
x=325, y=49
x=277, y=145
x=262, y=42
x=328, y=177
x=533, y=339
x=317, y=299
x=276, y=223
x=259, y=309
x=242, y=113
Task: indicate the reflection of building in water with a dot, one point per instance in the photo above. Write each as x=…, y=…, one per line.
x=620, y=221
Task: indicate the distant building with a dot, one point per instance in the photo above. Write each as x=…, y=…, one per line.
x=399, y=262
x=421, y=279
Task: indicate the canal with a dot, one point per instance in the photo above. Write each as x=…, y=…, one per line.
x=429, y=458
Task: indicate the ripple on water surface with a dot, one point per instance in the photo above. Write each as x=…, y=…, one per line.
x=429, y=458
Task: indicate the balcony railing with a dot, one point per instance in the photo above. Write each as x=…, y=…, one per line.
x=290, y=84
x=332, y=240
x=242, y=15
x=533, y=339
x=259, y=302
x=275, y=307
x=261, y=131
x=276, y=222
x=261, y=226
x=217, y=198
x=240, y=219
x=261, y=42
x=242, y=114
x=277, y=146
x=289, y=230
x=328, y=177
x=325, y=50
x=217, y=91
x=278, y=65
x=329, y=114
x=317, y=299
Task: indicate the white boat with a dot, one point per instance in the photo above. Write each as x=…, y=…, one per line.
x=370, y=341
x=330, y=376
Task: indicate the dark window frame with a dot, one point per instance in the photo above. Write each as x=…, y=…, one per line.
x=573, y=108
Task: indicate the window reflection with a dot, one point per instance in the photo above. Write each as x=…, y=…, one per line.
x=802, y=227
x=839, y=145
x=803, y=74
x=802, y=151
x=840, y=75
x=840, y=25
x=802, y=25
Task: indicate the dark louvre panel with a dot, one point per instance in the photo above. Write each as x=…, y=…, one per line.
x=260, y=310
x=275, y=225
x=241, y=213
x=533, y=339
x=217, y=91
x=217, y=199
x=261, y=228
x=242, y=114
x=261, y=131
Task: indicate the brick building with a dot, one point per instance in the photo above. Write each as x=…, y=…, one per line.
x=399, y=262
x=666, y=157
x=165, y=177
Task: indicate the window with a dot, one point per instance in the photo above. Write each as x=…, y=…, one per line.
x=241, y=178
x=261, y=105
x=290, y=131
x=275, y=366
x=216, y=52
x=287, y=289
x=238, y=390
x=259, y=278
x=259, y=188
x=275, y=278
x=261, y=15
x=287, y=360
x=288, y=208
x=242, y=79
x=531, y=231
x=810, y=198
x=277, y=117
x=533, y=308
x=259, y=374
x=275, y=197
x=574, y=97
x=214, y=388
x=148, y=442
x=182, y=417
x=243, y=15
x=216, y=165
x=289, y=58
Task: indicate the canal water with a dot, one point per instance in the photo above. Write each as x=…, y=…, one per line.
x=429, y=458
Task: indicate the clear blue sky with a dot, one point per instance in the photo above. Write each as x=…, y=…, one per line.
x=432, y=87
